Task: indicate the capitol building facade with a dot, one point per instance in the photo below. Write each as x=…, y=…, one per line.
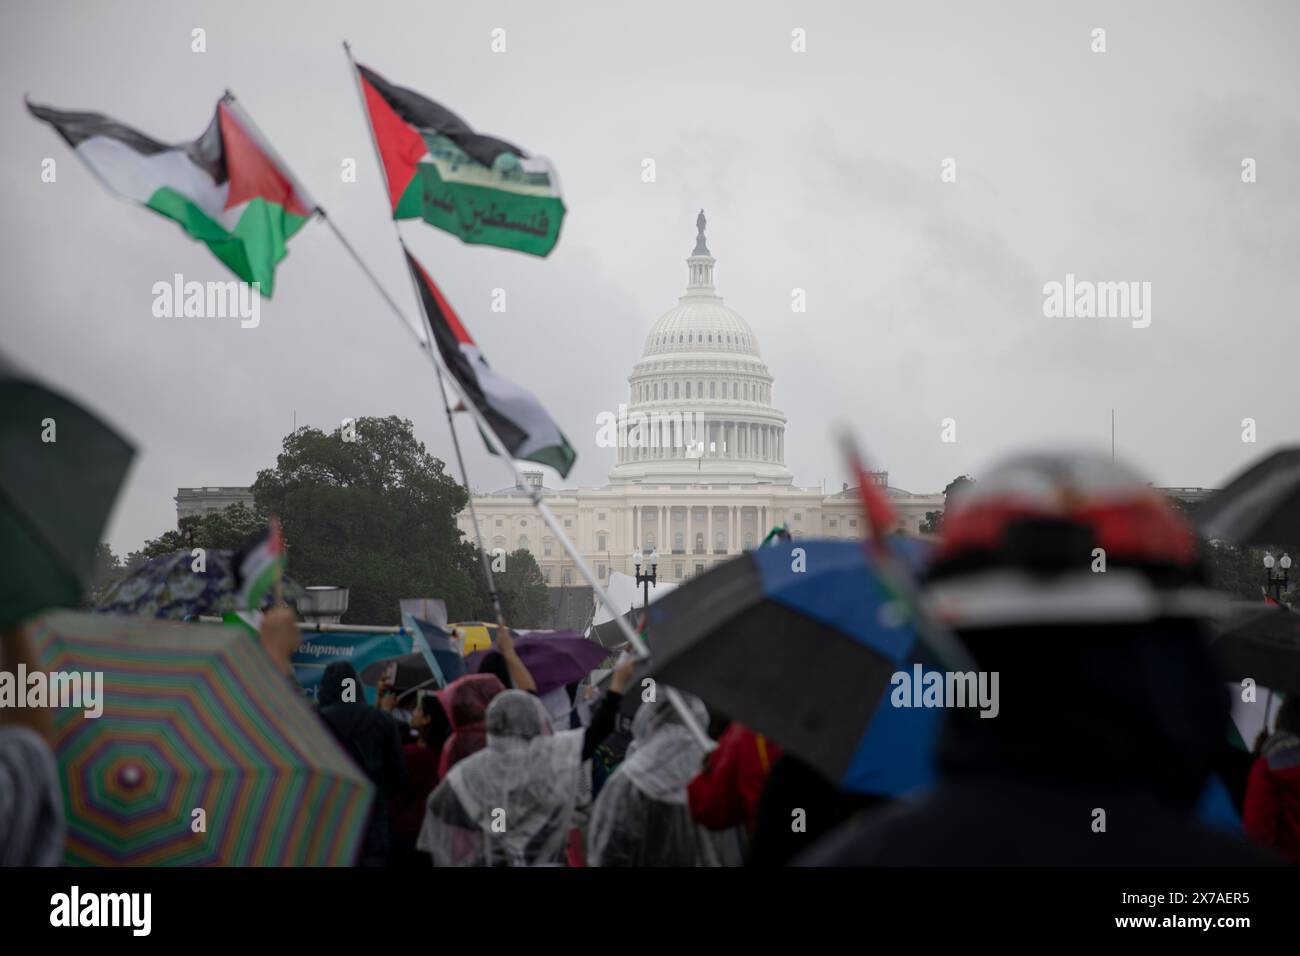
x=700, y=472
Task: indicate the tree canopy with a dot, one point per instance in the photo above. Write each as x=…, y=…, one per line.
x=104, y=573
x=374, y=512
x=1236, y=570
x=226, y=530
x=933, y=523
x=366, y=508
x=524, y=597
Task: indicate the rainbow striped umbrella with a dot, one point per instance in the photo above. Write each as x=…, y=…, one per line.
x=195, y=718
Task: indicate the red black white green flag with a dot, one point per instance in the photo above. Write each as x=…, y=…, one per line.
x=224, y=189
x=259, y=567
x=474, y=186
x=517, y=418
x=880, y=514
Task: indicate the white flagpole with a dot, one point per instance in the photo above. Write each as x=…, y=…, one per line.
x=633, y=639
x=950, y=651
x=493, y=594
x=265, y=145
x=535, y=496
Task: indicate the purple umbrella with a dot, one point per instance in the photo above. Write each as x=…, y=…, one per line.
x=554, y=658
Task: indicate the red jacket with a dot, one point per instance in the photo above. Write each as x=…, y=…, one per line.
x=725, y=793
x=1271, y=815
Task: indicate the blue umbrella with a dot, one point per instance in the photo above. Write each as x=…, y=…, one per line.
x=444, y=658
x=800, y=642
x=170, y=587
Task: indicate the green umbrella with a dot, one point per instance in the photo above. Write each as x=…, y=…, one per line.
x=60, y=471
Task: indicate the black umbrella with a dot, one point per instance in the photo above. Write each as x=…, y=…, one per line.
x=60, y=471
x=1259, y=507
x=610, y=635
x=800, y=642
x=1262, y=642
x=412, y=671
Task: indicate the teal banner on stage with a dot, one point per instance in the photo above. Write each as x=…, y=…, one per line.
x=318, y=651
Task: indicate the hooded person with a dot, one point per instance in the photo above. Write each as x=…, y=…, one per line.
x=511, y=803
x=1272, y=807
x=643, y=816
x=466, y=700
x=406, y=806
x=373, y=740
x=1076, y=584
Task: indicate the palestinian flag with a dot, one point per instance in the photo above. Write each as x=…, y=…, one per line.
x=514, y=414
x=880, y=514
x=250, y=622
x=259, y=566
x=225, y=189
x=477, y=187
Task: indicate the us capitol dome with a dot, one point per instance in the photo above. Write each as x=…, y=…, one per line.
x=703, y=481
x=704, y=394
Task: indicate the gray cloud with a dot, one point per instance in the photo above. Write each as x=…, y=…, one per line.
x=818, y=171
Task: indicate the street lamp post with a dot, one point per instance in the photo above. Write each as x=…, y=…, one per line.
x=650, y=577
x=1277, y=579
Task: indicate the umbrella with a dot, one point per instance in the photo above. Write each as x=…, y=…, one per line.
x=195, y=717
x=412, y=671
x=554, y=658
x=1262, y=642
x=623, y=591
x=1260, y=507
x=609, y=634
x=448, y=662
x=62, y=469
x=169, y=587
x=799, y=642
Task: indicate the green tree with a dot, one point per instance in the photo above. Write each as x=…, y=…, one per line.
x=104, y=573
x=955, y=487
x=525, y=600
x=376, y=514
x=228, y=530
x=933, y=523
x=1238, y=571
x=1235, y=570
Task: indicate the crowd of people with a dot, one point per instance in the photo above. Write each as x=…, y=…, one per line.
x=1123, y=721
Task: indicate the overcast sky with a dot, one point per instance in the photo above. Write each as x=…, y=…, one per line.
x=818, y=170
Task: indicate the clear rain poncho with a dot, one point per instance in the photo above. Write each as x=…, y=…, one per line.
x=512, y=803
x=643, y=817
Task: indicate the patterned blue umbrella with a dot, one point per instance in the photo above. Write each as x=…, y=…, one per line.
x=170, y=587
